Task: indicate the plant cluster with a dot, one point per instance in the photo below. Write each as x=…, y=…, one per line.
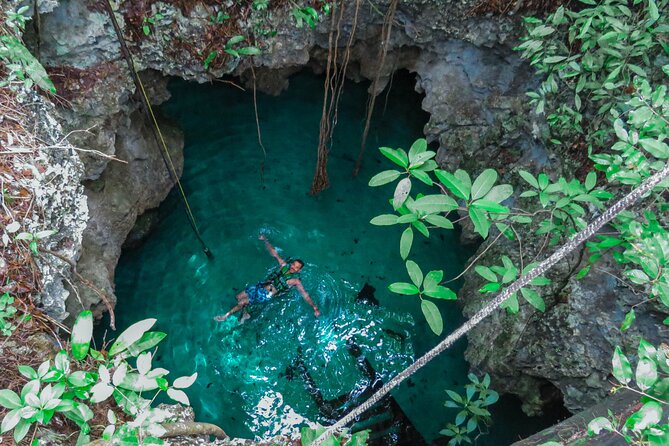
x=309, y=15
x=81, y=376
x=473, y=418
x=23, y=69
x=309, y=435
x=7, y=312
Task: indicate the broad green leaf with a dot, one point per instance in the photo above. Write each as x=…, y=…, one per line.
x=405, y=242
x=403, y=288
x=432, y=280
x=178, y=396
x=599, y=424
x=147, y=341
x=10, y=420
x=435, y=203
x=249, y=51
x=407, y=218
x=486, y=273
x=398, y=156
x=21, y=430
x=490, y=206
x=441, y=292
x=439, y=221
x=415, y=273
x=637, y=276
x=18, y=52
x=432, y=316
x=131, y=335
x=499, y=193
x=384, y=220
x=385, y=177
x=420, y=226
x=590, y=180
x=185, y=381
x=483, y=184
x=622, y=370
x=82, y=332
x=649, y=415
x=235, y=40
x=9, y=399
x=629, y=320
x=422, y=176
x=419, y=146
x=534, y=299
x=454, y=184
x=480, y=221
x=27, y=371
x=646, y=374
x=401, y=192
x=656, y=148
x=529, y=178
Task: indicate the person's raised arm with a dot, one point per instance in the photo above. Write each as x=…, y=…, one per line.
x=271, y=249
x=297, y=283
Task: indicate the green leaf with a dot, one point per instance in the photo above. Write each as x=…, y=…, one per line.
x=82, y=332
x=629, y=320
x=131, y=335
x=11, y=419
x=432, y=280
x=422, y=176
x=622, y=370
x=398, y=156
x=483, y=183
x=454, y=184
x=486, y=273
x=385, y=177
x=401, y=192
x=590, y=180
x=441, y=292
x=249, y=51
x=403, y=288
x=646, y=374
x=147, y=341
x=599, y=424
x=432, y=204
x=415, y=273
x=649, y=415
x=439, y=221
x=480, y=221
x=529, y=178
x=21, y=430
x=235, y=40
x=407, y=218
x=534, y=299
x=499, y=193
x=405, y=242
x=652, y=10
x=420, y=226
x=432, y=316
x=9, y=399
x=656, y=148
x=419, y=146
x=490, y=206
x=384, y=220
x=554, y=59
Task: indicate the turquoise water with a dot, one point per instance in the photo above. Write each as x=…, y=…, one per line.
x=247, y=380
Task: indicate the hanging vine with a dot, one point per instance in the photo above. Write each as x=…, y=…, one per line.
x=333, y=87
x=371, y=101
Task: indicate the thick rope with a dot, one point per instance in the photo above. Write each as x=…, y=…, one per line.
x=157, y=134
x=558, y=255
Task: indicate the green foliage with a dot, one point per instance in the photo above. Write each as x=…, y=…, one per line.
x=499, y=275
x=473, y=417
x=309, y=15
x=309, y=435
x=22, y=67
x=232, y=48
x=647, y=425
x=149, y=22
x=70, y=384
x=7, y=314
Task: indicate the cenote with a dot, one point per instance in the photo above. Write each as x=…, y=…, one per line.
x=284, y=366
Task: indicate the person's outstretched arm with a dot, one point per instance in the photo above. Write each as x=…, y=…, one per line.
x=271, y=249
x=297, y=283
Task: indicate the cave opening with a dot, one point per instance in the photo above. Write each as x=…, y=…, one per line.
x=283, y=366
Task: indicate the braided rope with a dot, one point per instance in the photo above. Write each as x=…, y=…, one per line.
x=558, y=255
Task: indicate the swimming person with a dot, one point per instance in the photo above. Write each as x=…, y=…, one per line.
x=278, y=282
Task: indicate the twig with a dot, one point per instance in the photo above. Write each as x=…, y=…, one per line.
x=490, y=245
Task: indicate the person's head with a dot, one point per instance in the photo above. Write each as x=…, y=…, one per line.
x=295, y=266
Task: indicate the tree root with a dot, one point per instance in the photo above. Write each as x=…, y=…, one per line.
x=179, y=429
